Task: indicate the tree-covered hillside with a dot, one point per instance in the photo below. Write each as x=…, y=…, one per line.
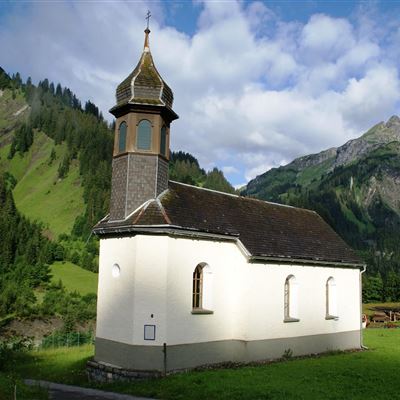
x=186, y=169
x=24, y=255
x=56, y=153
x=60, y=155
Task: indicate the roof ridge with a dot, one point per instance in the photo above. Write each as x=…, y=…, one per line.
x=202, y=188
x=163, y=212
x=143, y=205
x=243, y=197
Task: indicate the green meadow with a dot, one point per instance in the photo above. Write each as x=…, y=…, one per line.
x=74, y=278
x=370, y=374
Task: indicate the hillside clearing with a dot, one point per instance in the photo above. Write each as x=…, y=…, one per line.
x=74, y=278
x=359, y=375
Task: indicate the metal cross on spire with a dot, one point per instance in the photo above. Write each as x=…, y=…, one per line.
x=148, y=15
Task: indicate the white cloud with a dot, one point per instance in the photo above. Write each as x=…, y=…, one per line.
x=252, y=91
x=373, y=95
x=230, y=169
x=324, y=38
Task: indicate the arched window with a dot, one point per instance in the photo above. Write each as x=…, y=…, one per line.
x=122, y=137
x=198, y=287
x=291, y=299
x=202, y=289
x=331, y=299
x=144, y=135
x=163, y=141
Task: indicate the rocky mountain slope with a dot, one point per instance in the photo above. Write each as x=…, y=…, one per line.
x=355, y=187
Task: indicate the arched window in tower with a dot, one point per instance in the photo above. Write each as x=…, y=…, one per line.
x=122, y=137
x=163, y=141
x=291, y=299
x=331, y=299
x=144, y=135
x=202, y=294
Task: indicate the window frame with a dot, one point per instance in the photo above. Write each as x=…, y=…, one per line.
x=125, y=125
x=288, y=293
x=149, y=149
x=199, y=291
x=330, y=297
x=163, y=138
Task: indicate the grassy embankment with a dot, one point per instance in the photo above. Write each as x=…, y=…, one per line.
x=363, y=375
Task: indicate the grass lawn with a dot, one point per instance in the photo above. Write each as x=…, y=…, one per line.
x=74, y=277
x=371, y=374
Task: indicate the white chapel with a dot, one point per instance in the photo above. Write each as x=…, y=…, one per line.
x=191, y=277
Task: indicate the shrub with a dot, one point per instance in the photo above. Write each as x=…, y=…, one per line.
x=8, y=348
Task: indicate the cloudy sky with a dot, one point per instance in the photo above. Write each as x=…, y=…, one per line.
x=256, y=83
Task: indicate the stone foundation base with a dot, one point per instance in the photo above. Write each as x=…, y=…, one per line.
x=100, y=372
x=120, y=361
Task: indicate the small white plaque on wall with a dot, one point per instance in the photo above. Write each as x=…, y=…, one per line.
x=149, y=332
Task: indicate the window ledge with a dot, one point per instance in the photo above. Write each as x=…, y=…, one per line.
x=201, y=311
x=289, y=319
x=328, y=317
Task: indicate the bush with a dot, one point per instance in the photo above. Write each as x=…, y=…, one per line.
x=8, y=348
x=72, y=307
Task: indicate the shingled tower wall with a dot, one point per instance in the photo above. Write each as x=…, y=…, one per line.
x=141, y=146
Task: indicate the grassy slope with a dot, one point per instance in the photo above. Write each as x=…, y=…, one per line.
x=74, y=277
x=315, y=172
x=39, y=194
x=361, y=375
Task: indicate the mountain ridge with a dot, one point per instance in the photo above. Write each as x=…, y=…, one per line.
x=354, y=187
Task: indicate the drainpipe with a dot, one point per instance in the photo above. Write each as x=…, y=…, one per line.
x=361, y=327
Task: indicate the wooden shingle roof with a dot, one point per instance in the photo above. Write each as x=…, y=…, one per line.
x=267, y=230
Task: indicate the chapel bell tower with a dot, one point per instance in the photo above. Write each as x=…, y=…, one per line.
x=142, y=132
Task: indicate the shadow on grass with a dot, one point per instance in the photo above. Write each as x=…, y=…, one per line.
x=346, y=376
x=63, y=365
x=360, y=375
x=12, y=387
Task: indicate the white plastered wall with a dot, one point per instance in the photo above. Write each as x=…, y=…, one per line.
x=248, y=299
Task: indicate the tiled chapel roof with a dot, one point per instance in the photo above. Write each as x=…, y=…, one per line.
x=266, y=230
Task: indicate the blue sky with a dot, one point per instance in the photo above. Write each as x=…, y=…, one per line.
x=256, y=83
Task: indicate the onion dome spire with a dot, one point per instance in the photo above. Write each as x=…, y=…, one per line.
x=144, y=85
